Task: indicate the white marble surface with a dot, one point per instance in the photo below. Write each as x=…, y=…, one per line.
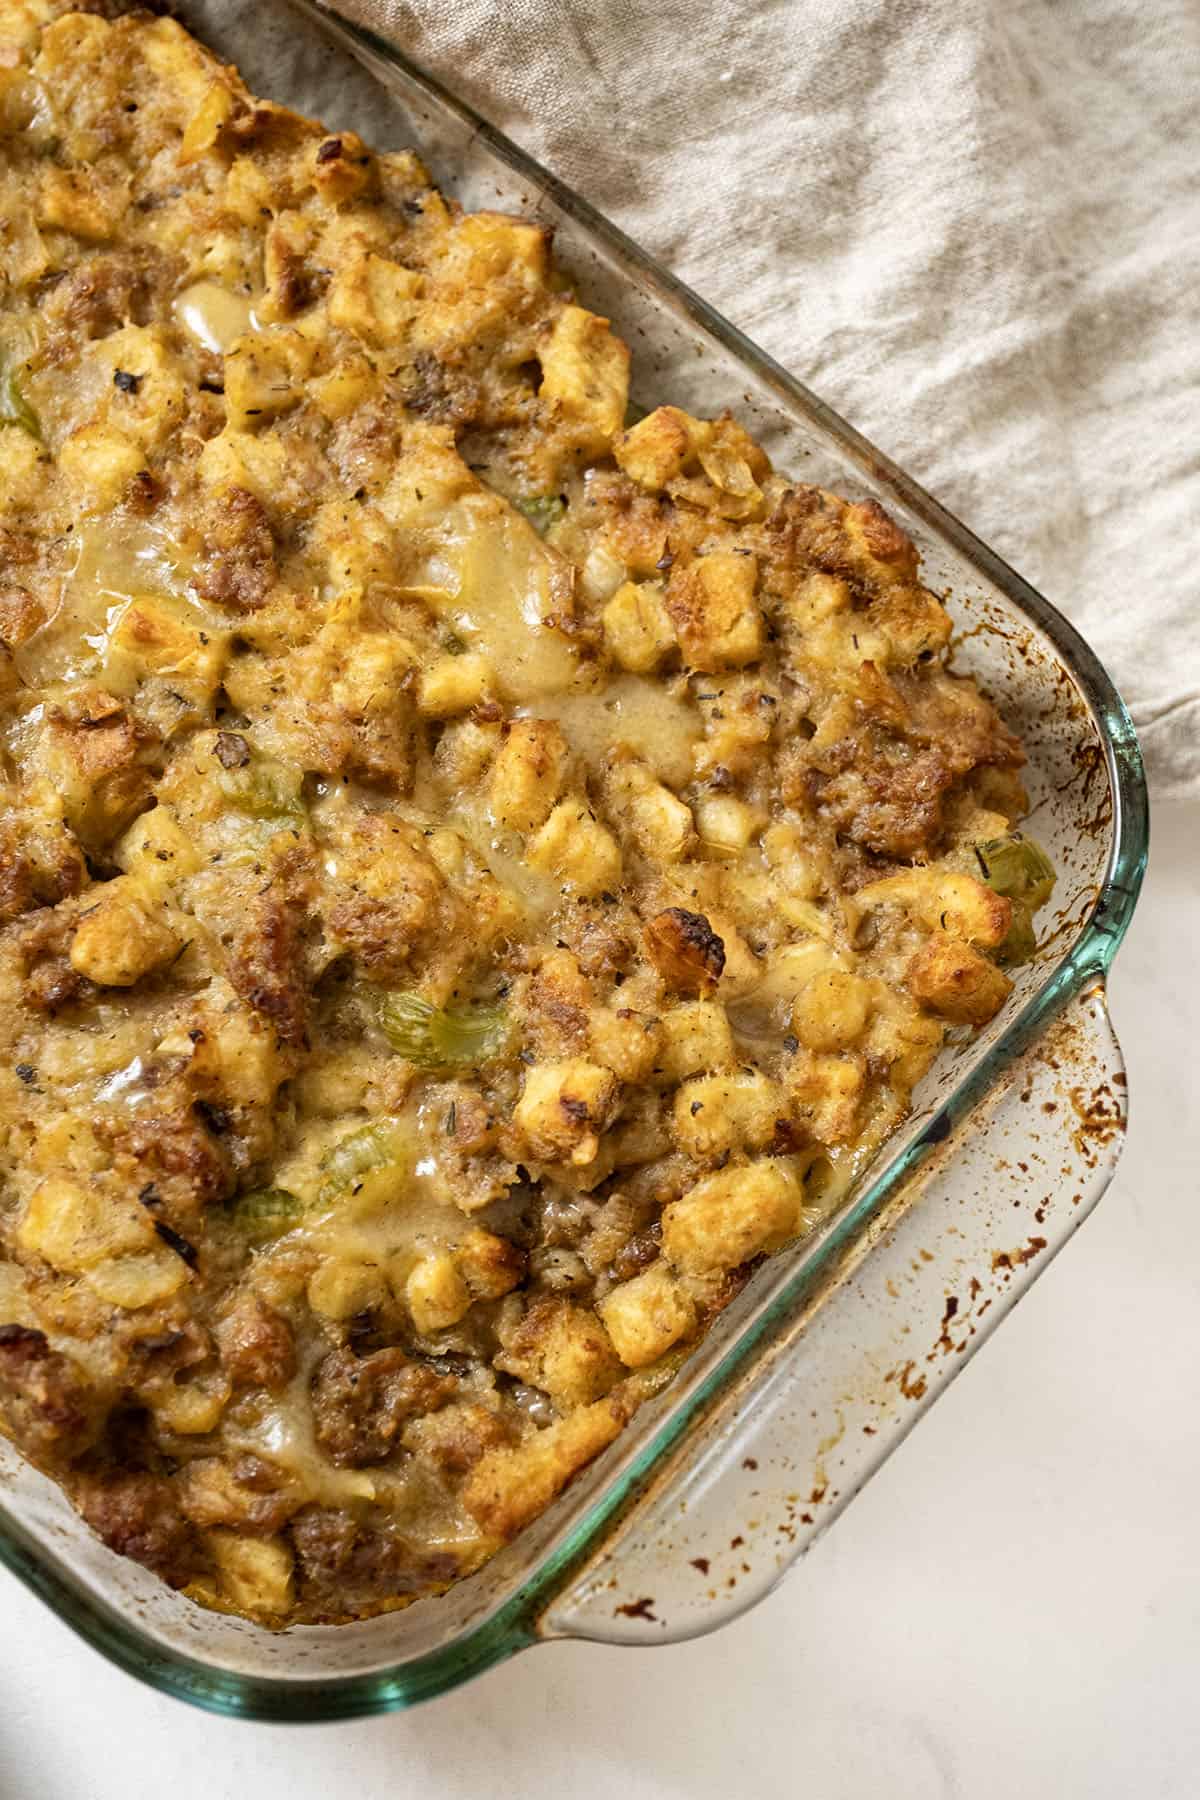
x=1011, y=1609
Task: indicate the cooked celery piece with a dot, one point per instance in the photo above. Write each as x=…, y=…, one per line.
x=266, y=1213
x=1018, y=868
x=364, y=1152
x=265, y=789
x=436, y=1037
x=543, y=510
x=1020, y=943
x=14, y=407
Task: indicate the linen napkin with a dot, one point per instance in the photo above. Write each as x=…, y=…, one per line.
x=974, y=228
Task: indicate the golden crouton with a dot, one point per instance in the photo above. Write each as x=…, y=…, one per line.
x=561, y=1348
x=89, y=203
x=528, y=772
x=342, y=1287
x=647, y=1315
x=953, y=979
x=943, y=899
x=490, y=1265
x=685, y=950
x=637, y=627
x=825, y=1093
x=122, y=937
x=712, y=606
x=487, y=247
x=265, y=373
x=75, y=1226
x=831, y=1010
x=696, y=1036
x=100, y=465
x=454, y=684
x=507, y=1487
x=436, y=1293
x=727, y=1218
x=585, y=369
x=741, y=1110
x=656, y=448
x=563, y=1108
x=254, y=1574
x=726, y=824
x=374, y=298
x=627, y=1042
x=659, y=823
x=573, y=846
x=188, y=659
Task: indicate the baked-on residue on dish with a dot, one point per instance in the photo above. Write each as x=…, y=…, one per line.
x=476, y=875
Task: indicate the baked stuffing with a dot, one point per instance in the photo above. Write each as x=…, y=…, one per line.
x=476, y=875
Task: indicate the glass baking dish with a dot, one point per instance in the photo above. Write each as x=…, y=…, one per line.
x=832, y=1352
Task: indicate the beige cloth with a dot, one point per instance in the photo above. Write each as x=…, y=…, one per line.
x=973, y=227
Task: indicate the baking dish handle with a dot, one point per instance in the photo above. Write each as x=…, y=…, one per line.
x=780, y=1455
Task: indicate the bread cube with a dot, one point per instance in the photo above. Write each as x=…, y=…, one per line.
x=563, y=1108
x=436, y=1293
x=726, y=824
x=943, y=899
x=654, y=450
x=625, y=1041
x=716, y=1114
x=24, y=468
x=254, y=1574
x=711, y=604
x=727, y=1218
x=528, y=773
x=574, y=847
x=240, y=459
x=825, y=1093
x=509, y=1487
x=484, y=247
x=89, y=203
x=454, y=684
x=562, y=1349
x=100, y=465
x=585, y=368
x=75, y=1226
x=490, y=1265
x=265, y=374
x=950, y=976
x=637, y=627
x=695, y=1036
x=144, y=1279
x=831, y=1010
x=342, y=1287
x=375, y=298
x=122, y=937
x=646, y=1316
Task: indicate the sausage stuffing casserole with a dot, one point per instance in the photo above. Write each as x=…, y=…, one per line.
x=475, y=876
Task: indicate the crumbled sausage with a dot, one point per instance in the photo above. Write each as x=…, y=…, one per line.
x=256, y=1345
x=137, y=1515
x=239, y=552
x=171, y=1159
x=266, y=967
x=349, y=1565
x=361, y=1404
x=47, y=1405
